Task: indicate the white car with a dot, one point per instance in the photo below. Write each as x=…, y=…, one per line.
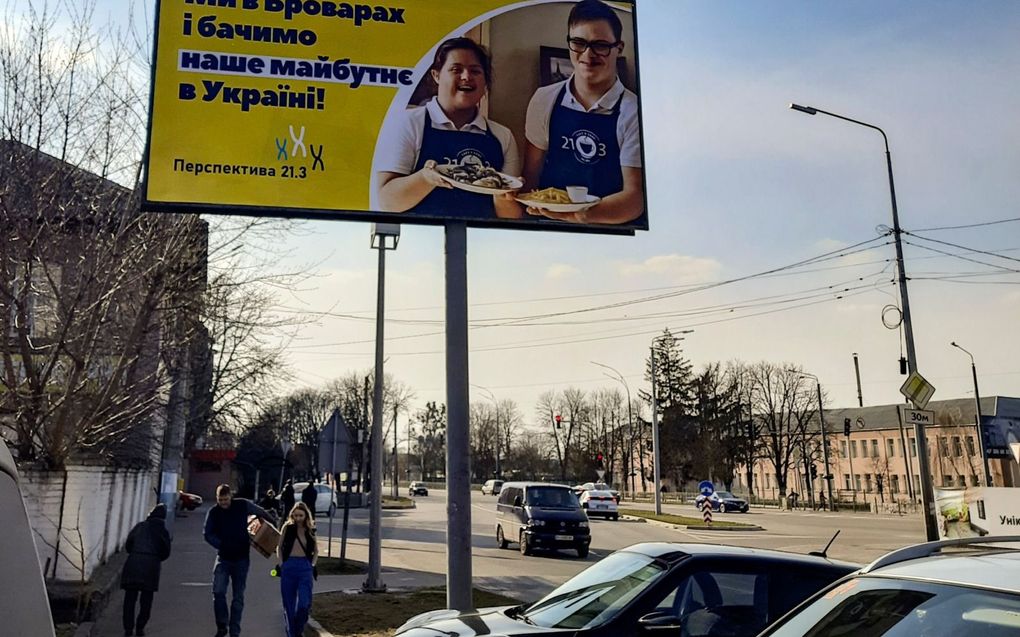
x=492, y=487
x=599, y=503
x=325, y=499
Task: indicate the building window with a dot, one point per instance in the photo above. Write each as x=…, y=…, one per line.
x=961, y=481
x=974, y=482
x=957, y=447
x=857, y=479
x=891, y=446
x=917, y=483
x=867, y=483
x=971, y=451
x=913, y=448
x=947, y=481
x=874, y=448
x=842, y=447
x=894, y=486
x=846, y=481
x=944, y=446
x=853, y=448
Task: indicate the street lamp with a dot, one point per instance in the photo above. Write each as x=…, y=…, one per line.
x=977, y=405
x=630, y=414
x=656, y=469
x=825, y=444
x=495, y=406
x=927, y=494
x=385, y=236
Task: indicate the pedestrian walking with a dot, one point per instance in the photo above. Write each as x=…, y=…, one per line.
x=148, y=545
x=298, y=553
x=821, y=500
x=268, y=501
x=309, y=495
x=287, y=498
x=793, y=499
x=226, y=530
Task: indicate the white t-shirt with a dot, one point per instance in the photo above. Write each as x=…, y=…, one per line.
x=536, y=126
x=399, y=145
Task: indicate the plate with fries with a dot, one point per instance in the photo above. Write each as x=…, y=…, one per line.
x=556, y=200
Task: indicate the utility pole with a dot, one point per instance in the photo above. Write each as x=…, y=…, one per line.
x=857, y=372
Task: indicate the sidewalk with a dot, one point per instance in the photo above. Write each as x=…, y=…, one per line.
x=184, y=604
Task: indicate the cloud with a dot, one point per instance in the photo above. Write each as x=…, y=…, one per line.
x=675, y=267
x=559, y=271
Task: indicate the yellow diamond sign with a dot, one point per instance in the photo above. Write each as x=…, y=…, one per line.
x=917, y=390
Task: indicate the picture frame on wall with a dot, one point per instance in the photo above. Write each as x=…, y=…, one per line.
x=555, y=66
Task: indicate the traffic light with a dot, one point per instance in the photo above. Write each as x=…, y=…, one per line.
x=846, y=427
x=814, y=472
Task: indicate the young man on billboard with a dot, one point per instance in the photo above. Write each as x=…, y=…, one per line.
x=584, y=131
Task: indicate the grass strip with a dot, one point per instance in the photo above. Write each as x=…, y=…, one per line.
x=679, y=519
x=379, y=614
x=336, y=566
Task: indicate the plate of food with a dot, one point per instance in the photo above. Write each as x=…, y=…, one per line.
x=483, y=180
x=556, y=200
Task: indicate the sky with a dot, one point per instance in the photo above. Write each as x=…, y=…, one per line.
x=738, y=185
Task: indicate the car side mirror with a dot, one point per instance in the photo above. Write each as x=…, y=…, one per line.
x=660, y=620
x=518, y=501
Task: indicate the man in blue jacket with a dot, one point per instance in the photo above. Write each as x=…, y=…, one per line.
x=226, y=529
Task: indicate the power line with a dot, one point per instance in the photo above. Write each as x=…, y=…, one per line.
x=966, y=226
x=975, y=250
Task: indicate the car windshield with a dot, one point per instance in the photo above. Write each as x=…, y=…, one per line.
x=551, y=498
x=726, y=495
x=602, y=486
x=883, y=607
x=597, y=594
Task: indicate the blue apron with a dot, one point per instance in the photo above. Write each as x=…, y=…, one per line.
x=460, y=146
x=583, y=150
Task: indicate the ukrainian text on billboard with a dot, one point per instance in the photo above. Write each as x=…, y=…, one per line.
x=495, y=112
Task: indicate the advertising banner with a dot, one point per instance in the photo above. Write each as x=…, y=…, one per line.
x=1001, y=435
x=498, y=113
x=977, y=512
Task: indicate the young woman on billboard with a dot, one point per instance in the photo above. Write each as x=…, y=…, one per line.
x=584, y=131
x=449, y=128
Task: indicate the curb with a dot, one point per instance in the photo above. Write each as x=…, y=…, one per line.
x=315, y=629
x=682, y=527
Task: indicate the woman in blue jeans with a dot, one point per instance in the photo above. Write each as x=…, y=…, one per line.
x=297, y=552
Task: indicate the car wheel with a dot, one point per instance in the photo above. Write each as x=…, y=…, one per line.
x=722, y=508
x=500, y=538
x=582, y=552
x=616, y=517
x=525, y=549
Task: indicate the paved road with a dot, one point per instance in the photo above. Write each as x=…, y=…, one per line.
x=414, y=539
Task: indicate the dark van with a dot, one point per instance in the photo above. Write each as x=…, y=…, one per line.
x=538, y=515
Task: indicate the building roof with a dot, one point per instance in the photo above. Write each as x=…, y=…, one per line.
x=948, y=413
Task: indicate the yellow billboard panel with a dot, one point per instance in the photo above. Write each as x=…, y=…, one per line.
x=493, y=112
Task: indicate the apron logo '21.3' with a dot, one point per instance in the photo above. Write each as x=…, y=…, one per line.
x=587, y=147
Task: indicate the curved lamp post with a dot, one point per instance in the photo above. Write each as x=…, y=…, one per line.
x=630, y=413
x=825, y=444
x=977, y=415
x=927, y=493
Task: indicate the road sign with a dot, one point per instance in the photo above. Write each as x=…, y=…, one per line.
x=918, y=417
x=706, y=510
x=706, y=488
x=917, y=390
x=334, y=445
x=601, y=473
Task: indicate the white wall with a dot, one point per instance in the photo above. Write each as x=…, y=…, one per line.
x=100, y=506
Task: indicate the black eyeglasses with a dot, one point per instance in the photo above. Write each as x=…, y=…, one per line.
x=600, y=48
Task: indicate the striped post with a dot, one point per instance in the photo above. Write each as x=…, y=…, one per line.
x=706, y=511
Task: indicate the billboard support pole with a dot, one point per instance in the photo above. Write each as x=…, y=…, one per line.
x=458, y=485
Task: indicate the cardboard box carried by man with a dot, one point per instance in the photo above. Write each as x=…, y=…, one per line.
x=263, y=535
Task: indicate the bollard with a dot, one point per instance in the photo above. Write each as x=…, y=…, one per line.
x=706, y=509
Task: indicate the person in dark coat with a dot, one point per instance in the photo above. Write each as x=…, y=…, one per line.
x=147, y=546
x=268, y=501
x=309, y=495
x=287, y=498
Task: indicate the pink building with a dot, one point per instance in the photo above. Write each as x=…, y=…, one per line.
x=878, y=460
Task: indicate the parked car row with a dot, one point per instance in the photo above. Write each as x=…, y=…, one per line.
x=963, y=588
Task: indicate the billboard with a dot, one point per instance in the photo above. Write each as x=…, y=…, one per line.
x=977, y=512
x=499, y=113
